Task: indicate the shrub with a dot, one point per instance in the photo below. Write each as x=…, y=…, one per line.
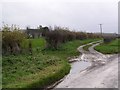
x=61, y=35
x=108, y=39
x=81, y=35
x=11, y=39
x=53, y=38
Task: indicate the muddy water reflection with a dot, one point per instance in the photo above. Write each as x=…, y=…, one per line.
x=78, y=66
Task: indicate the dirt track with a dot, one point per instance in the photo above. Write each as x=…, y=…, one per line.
x=102, y=74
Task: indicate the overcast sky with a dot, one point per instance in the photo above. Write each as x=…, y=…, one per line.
x=79, y=15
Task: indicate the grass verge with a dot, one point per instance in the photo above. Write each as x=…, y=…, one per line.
x=38, y=70
x=109, y=48
x=87, y=47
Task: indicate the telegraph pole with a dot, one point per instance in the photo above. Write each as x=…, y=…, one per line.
x=101, y=29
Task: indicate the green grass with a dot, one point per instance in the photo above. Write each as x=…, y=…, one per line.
x=19, y=69
x=36, y=43
x=68, y=49
x=25, y=71
x=42, y=68
x=87, y=47
x=109, y=48
x=0, y=72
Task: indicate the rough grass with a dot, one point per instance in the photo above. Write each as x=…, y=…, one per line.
x=28, y=72
x=19, y=70
x=42, y=68
x=87, y=47
x=109, y=48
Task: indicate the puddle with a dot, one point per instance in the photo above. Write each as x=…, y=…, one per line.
x=78, y=66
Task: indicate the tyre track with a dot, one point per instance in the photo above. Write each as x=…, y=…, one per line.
x=103, y=72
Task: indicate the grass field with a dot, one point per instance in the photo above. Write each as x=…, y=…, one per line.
x=41, y=68
x=109, y=48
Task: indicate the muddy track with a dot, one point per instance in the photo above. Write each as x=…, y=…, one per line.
x=102, y=73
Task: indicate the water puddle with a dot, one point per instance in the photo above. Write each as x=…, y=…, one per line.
x=78, y=66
